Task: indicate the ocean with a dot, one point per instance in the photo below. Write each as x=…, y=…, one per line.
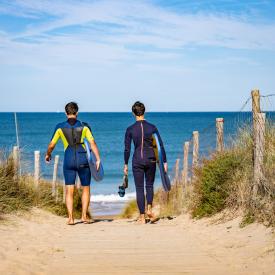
x=36, y=129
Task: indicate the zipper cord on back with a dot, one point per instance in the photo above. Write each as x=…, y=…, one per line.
x=142, y=139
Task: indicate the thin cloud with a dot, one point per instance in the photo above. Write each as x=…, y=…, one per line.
x=146, y=33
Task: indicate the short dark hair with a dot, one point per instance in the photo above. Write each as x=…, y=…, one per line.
x=71, y=108
x=138, y=109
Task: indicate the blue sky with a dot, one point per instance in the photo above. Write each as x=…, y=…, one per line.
x=173, y=55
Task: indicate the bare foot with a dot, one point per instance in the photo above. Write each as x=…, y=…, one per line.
x=87, y=220
x=151, y=216
x=70, y=222
x=141, y=219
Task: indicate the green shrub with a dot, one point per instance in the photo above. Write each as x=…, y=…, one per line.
x=213, y=183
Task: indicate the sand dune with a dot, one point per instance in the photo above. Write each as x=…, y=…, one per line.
x=41, y=243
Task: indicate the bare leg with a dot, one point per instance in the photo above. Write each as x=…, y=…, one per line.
x=85, y=203
x=69, y=202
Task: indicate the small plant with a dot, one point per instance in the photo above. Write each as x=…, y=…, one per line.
x=247, y=219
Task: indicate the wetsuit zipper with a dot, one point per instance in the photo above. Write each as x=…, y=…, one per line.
x=142, y=138
x=74, y=142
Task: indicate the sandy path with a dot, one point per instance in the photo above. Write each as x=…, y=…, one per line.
x=42, y=244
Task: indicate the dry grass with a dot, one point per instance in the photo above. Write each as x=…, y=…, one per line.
x=19, y=194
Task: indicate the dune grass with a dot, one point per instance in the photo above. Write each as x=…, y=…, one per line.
x=19, y=194
x=225, y=180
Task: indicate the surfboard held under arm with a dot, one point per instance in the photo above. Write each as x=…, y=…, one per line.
x=97, y=174
x=164, y=176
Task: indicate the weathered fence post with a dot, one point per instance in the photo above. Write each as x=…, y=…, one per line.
x=219, y=139
x=15, y=157
x=36, y=168
x=177, y=171
x=56, y=194
x=64, y=193
x=55, y=170
x=78, y=183
x=259, y=152
x=195, y=159
x=258, y=142
x=185, y=163
x=256, y=107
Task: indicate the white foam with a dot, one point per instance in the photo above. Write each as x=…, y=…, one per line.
x=112, y=197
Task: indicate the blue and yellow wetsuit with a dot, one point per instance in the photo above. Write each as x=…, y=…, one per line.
x=72, y=132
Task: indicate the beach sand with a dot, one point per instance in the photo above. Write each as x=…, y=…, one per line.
x=41, y=243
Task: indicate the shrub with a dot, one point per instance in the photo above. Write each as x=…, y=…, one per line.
x=213, y=181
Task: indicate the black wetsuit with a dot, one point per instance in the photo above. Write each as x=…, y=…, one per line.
x=144, y=159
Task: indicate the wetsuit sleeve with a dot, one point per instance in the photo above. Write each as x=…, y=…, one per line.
x=56, y=135
x=127, y=143
x=88, y=134
x=161, y=145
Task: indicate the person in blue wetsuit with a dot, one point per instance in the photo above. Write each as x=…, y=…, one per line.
x=72, y=132
x=144, y=159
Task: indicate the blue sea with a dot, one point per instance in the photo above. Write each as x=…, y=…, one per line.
x=36, y=129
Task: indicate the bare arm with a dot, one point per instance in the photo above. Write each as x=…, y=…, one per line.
x=49, y=151
x=96, y=152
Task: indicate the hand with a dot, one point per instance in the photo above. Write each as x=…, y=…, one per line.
x=125, y=170
x=48, y=158
x=166, y=167
x=97, y=164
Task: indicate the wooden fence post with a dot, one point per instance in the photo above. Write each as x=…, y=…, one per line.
x=15, y=157
x=185, y=163
x=177, y=171
x=78, y=183
x=56, y=194
x=219, y=139
x=55, y=170
x=195, y=160
x=256, y=107
x=36, y=168
x=259, y=148
x=64, y=192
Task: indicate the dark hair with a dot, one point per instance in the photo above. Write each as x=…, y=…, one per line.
x=71, y=108
x=138, y=109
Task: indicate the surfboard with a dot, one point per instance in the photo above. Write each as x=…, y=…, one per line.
x=97, y=174
x=164, y=176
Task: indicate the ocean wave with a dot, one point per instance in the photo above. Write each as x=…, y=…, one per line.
x=112, y=197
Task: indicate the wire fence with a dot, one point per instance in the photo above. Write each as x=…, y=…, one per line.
x=234, y=124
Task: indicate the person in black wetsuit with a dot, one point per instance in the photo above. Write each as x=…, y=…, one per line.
x=144, y=159
x=72, y=132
